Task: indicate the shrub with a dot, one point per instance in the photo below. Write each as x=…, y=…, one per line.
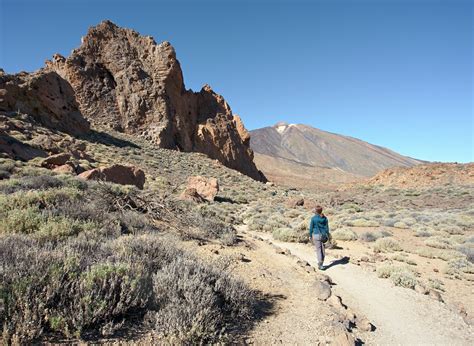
x=387, y=245
x=196, y=301
x=438, y=243
x=404, y=279
x=290, y=235
x=373, y=236
x=344, y=234
x=400, y=224
x=362, y=223
x=467, y=250
x=400, y=276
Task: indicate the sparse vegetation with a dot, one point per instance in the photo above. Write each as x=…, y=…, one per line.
x=386, y=245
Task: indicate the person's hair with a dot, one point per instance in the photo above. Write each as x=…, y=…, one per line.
x=318, y=210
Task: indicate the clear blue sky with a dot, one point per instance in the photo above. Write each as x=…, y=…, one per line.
x=396, y=73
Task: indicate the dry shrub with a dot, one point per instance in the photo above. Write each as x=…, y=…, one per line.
x=387, y=245
x=344, y=234
x=400, y=276
x=195, y=301
x=373, y=236
x=362, y=223
x=77, y=260
x=290, y=235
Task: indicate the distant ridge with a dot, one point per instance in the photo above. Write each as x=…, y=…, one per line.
x=295, y=151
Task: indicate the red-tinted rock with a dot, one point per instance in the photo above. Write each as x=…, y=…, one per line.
x=66, y=168
x=134, y=85
x=207, y=188
x=190, y=194
x=118, y=174
x=56, y=160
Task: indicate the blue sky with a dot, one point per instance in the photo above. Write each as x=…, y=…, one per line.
x=396, y=73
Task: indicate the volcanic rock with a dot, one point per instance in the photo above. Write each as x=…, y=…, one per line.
x=56, y=160
x=44, y=95
x=118, y=174
x=134, y=85
x=191, y=194
x=207, y=188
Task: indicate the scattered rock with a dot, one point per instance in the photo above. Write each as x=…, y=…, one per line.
x=343, y=339
x=421, y=289
x=322, y=290
x=295, y=202
x=65, y=169
x=336, y=302
x=364, y=325
x=55, y=160
x=207, y=188
x=303, y=263
x=191, y=194
x=118, y=174
x=435, y=295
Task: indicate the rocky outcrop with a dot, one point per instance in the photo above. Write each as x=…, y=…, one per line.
x=118, y=174
x=207, y=188
x=44, y=95
x=191, y=194
x=132, y=84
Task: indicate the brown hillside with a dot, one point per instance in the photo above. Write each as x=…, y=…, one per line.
x=428, y=175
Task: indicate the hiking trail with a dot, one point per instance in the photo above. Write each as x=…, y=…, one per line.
x=400, y=315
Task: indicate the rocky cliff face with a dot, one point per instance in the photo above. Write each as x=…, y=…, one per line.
x=128, y=82
x=45, y=96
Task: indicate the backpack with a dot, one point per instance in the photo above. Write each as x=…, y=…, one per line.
x=324, y=237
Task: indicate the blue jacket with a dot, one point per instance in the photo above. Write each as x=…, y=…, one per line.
x=318, y=225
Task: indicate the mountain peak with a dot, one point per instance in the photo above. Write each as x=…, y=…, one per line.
x=315, y=148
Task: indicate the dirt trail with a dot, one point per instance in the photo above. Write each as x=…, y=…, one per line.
x=401, y=316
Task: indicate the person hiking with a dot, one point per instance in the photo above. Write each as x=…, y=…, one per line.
x=319, y=234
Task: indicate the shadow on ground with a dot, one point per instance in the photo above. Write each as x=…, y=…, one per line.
x=342, y=261
x=107, y=139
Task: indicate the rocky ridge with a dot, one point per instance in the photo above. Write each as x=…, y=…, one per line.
x=121, y=80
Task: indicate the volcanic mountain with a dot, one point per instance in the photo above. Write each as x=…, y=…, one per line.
x=303, y=156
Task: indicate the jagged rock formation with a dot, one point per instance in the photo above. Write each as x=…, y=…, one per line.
x=44, y=95
x=130, y=83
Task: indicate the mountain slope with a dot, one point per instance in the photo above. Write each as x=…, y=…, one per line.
x=306, y=149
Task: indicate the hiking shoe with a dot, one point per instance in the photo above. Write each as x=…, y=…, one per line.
x=321, y=267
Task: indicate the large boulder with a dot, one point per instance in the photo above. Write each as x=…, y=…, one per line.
x=134, y=85
x=56, y=160
x=191, y=194
x=207, y=188
x=118, y=174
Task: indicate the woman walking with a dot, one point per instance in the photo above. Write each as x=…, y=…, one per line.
x=319, y=234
